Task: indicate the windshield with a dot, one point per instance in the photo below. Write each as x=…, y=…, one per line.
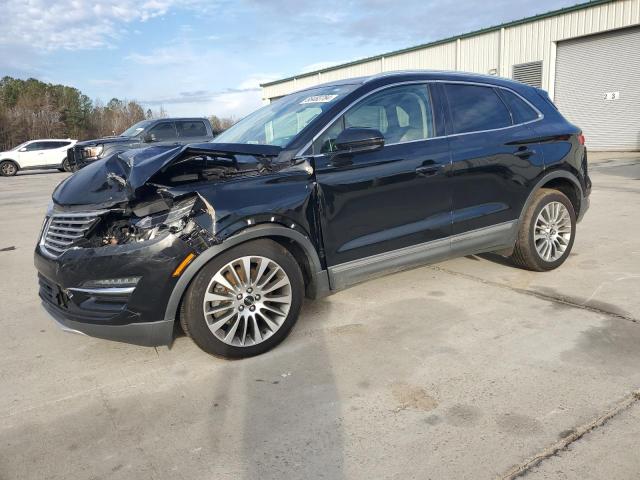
x=135, y=129
x=20, y=146
x=279, y=122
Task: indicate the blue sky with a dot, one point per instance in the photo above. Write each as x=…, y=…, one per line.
x=203, y=57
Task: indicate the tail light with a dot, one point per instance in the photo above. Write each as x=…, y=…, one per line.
x=581, y=139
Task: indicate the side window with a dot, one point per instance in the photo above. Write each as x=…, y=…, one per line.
x=520, y=111
x=402, y=114
x=191, y=129
x=50, y=145
x=163, y=132
x=32, y=147
x=476, y=108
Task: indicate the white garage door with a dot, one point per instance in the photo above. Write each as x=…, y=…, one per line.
x=598, y=87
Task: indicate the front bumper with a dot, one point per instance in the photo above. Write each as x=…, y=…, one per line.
x=134, y=315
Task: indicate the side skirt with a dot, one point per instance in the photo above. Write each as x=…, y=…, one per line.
x=487, y=239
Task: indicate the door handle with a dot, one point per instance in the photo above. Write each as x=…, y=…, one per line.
x=428, y=170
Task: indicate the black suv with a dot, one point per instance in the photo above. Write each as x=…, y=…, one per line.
x=162, y=131
x=313, y=193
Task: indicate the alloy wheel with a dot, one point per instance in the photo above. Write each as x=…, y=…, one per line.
x=247, y=301
x=552, y=231
x=8, y=169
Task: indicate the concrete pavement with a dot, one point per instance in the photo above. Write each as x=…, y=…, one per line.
x=466, y=369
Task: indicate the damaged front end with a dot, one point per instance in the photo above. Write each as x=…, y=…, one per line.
x=142, y=222
x=140, y=194
x=120, y=232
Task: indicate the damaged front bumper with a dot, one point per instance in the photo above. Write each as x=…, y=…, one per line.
x=75, y=289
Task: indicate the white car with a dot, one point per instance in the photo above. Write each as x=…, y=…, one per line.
x=36, y=154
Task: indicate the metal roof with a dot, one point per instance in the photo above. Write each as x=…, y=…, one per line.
x=494, y=28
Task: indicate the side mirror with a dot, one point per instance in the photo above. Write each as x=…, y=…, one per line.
x=23, y=149
x=353, y=140
x=148, y=138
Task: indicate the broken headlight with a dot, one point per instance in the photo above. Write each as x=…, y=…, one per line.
x=173, y=219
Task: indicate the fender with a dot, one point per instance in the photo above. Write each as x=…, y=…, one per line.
x=550, y=176
x=318, y=287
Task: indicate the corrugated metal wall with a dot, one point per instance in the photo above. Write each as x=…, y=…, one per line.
x=488, y=52
x=587, y=70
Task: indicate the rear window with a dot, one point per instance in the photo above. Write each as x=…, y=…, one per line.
x=519, y=109
x=191, y=129
x=476, y=108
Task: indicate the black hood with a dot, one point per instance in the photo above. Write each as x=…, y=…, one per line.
x=118, y=177
x=107, y=141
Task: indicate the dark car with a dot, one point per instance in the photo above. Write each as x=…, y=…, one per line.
x=322, y=189
x=162, y=131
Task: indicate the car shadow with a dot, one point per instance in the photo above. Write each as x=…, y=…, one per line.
x=37, y=172
x=284, y=414
x=493, y=258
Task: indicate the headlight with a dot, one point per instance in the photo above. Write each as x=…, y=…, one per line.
x=173, y=219
x=92, y=152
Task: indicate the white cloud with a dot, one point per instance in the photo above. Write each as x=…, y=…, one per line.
x=72, y=24
x=162, y=56
x=255, y=80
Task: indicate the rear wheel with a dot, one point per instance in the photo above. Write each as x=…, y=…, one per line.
x=8, y=168
x=245, y=301
x=546, y=232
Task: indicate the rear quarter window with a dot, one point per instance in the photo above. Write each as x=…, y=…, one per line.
x=476, y=108
x=520, y=110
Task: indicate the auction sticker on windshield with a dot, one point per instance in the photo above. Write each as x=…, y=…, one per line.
x=318, y=99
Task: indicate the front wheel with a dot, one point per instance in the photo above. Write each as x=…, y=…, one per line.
x=245, y=301
x=8, y=168
x=546, y=233
x=65, y=167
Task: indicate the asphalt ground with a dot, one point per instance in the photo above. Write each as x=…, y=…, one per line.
x=470, y=368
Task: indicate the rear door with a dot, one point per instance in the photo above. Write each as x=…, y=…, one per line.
x=56, y=152
x=494, y=153
x=378, y=202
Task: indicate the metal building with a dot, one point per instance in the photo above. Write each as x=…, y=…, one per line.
x=586, y=56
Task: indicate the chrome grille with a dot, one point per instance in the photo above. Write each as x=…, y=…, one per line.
x=63, y=230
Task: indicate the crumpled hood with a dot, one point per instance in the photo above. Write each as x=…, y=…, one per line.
x=119, y=177
x=106, y=141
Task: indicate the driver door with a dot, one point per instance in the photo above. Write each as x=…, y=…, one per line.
x=32, y=155
x=391, y=207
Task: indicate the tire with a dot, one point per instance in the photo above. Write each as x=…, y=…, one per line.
x=224, y=324
x=65, y=166
x=546, y=233
x=8, y=168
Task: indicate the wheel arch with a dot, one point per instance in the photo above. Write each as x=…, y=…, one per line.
x=299, y=245
x=560, y=180
x=15, y=162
